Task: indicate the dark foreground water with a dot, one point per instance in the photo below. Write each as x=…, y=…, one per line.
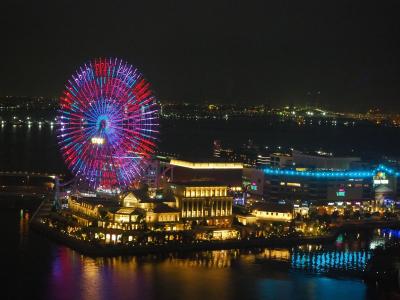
x=36, y=268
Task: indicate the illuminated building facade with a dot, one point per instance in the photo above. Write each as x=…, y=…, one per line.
x=156, y=210
x=272, y=212
x=327, y=185
x=262, y=212
x=205, y=203
x=311, y=188
x=124, y=218
x=281, y=160
x=87, y=210
x=228, y=173
x=253, y=181
x=263, y=160
x=131, y=212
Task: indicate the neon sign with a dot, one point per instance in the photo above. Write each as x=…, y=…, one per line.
x=380, y=178
x=329, y=174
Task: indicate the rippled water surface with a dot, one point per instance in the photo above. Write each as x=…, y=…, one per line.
x=39, y=269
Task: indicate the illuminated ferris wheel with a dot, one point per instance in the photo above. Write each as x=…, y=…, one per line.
x=107, y=124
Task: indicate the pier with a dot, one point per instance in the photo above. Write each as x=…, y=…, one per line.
x=25, y=183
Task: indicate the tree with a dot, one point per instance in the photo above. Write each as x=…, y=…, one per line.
x=347, y=214
x=313, y=214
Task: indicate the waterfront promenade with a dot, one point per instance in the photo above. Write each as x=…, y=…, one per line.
x=97, y=248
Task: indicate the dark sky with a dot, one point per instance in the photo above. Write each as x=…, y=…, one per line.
x=229, y=51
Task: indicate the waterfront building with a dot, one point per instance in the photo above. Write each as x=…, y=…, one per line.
x=228, y=173
x=246, y=218
x=341, y=207
x=253, y=181
x=163, y=213
x=281, y=160
x=382, y=194
x=316, y=188
x=146, y=199
x=131, y=212
x=263, y=160
x=202, y=202
x=262, y=212
x=322, y=160
x=331, y=185
x=300, y=209
x=313, y=160
x=88, y=210
x=372, y=190
x=266, y=211
x=217, y=235
x=125, y=218
x=323, y=177
x=159, y=210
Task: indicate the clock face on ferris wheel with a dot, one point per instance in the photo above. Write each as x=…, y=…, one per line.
x=107, y=123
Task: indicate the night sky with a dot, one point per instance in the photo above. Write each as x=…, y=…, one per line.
x=272, y=52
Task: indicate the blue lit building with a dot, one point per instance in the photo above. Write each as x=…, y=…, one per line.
x=334, y=186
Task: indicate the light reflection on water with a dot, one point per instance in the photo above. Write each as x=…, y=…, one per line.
x=49, y=271
x=206, y=275
x=23, y=227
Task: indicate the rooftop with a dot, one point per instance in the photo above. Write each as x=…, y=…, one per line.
x=333, y=173
x=163, y=208
x=206, y=165
x=272, y=207
x=97, y=201
x=144, y=197
x=199, y=183
x=126, y=211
